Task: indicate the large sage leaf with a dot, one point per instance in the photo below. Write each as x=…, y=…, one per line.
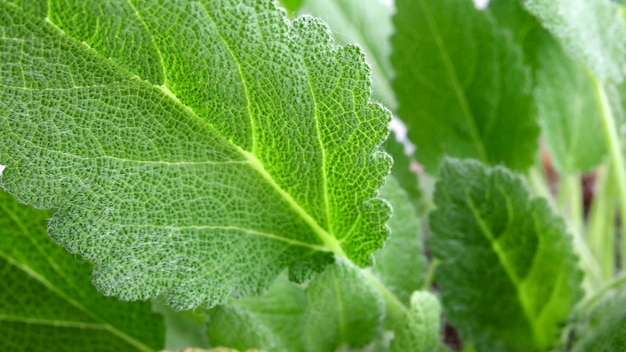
x=461, y=85
x=508, y=275
x=48, y=302
x=193, y=149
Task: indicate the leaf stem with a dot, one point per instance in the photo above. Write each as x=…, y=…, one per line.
x=587, y=304
x=570, y=201
x=615, y=152
x=396, y=310
x=601, y=224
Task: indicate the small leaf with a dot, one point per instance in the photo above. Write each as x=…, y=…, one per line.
x=401, y=264
x=508, y=275
x=272, y=322
x=194, y=150
x=605, y=329
x=461, y=85
x=47, y=302
x=420, y=331
x=343, y=309
x=590, y=30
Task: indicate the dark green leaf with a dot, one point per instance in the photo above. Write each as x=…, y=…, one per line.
x=605, y=329
x=508, y=275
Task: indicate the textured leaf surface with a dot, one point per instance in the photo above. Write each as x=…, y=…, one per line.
x=47, y=302
x=272, y=322
x=569, y=112
x=605, y=329
x=591, y=30
x=367, y=23
x=461, y=85
x=401, y=264
x=420, y=330
x=343, y=309
x=508, y=275
x=193, y=149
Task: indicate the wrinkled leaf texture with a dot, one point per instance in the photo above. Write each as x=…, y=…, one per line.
x=508, y=275
x=192, y=150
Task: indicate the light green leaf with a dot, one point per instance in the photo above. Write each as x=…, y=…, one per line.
x=272, y=322
x=590, y=30
x=508, y=275
x=420, y=330
x=461, y=85
x=605, y=329
x=400, y=264
x=343, y=309
x=569, y=112
x=193, y=149
x=367, y=23
x=47, y=302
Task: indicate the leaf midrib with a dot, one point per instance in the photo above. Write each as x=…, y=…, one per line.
x=327, y=239
x=454, y=79
x=503, y=259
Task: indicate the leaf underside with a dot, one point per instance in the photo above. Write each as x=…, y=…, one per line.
x=193, y=150
x=508, y=275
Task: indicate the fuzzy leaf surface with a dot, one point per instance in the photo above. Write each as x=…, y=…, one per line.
x=47, y=302
x=605, y=329
x=367, y=23
x=461, y=85
x=193, y=150
x=508, y=275
x=590, y=30
x=420, y=331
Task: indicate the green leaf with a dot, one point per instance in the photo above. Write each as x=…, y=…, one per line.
x=461, y=85
x=343, y=309
x=367, y=23
x=508, y=275
x=272, y=322
x=605, y=329
x=401, y=264
x=193, y=149
x=420, y=330
x=569, y=112
x=590, y=30
x=47, y=301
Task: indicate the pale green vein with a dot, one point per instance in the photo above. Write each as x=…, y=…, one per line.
x=53, y=323
x=502, y=257
x=329, y=241
x=143, y=23
x=235, y=228
x=322, y=150
x=241, y=75
x=456, y=84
